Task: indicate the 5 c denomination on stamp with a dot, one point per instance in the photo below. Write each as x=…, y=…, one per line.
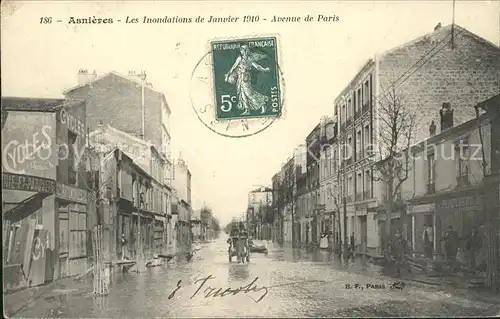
x=245, y=83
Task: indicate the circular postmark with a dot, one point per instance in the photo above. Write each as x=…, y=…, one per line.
x=237, y=87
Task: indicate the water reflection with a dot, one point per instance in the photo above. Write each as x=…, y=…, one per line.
x=238, y=272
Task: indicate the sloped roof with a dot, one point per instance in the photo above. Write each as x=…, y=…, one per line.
x=131, y=137
x=36, y=104
x=437, y=33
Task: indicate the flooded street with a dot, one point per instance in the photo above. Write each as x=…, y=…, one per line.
x=288, y=282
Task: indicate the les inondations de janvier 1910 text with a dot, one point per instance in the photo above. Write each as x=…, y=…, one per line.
x=210, y=19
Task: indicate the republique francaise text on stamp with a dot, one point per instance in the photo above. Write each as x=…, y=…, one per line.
x=246, y=86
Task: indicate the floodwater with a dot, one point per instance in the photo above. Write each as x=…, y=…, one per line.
x=283, y=283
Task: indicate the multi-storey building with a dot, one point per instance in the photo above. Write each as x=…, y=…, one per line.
x=158, y=198
x=328, y=171
x=44, y=190
x=447, y=65
x=446, y=184
x=286, y=195
x=314, y=209
x=117, y=100
x=182, y=203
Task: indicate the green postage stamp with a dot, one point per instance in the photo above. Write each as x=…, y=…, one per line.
x=246, y=78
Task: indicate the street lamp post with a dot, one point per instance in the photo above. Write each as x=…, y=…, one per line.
x=139, y=239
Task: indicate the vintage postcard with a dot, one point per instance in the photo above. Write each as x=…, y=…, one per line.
x=244, y=159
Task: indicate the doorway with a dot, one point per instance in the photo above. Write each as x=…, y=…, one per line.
x=364, y=233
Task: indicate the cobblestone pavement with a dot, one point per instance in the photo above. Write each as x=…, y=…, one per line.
x=297, y=284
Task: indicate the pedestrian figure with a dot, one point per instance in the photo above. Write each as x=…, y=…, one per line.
x=428, y=239
x=451, y=239
x=473, y=247
x=399, y=249
x=124, y=247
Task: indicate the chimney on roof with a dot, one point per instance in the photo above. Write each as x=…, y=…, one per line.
x=432, y=129
x=85, y=77
x=446, y=115
x=437, y=27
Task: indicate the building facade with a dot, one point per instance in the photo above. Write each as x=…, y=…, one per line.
x=158, y=197
x=328, y=177
x=182, y=203
x=44, y=193
x=314, y=208
x=463, y=60
x=116, y=100
x=259, y=212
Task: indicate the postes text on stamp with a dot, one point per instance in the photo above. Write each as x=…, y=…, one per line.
x=246, y=78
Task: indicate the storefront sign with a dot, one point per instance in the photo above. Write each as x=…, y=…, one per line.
x=28, y=183
x=71, y=194
x=459, y=203
x=416, y=209
x=28, y=144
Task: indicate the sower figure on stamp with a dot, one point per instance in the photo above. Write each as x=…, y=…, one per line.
x=241, y=74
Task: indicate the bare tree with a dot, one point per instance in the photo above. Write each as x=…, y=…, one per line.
x=95, y=183
x=397, y=124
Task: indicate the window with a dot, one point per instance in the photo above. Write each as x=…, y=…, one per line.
x=366, y=92
x=358, y=106
x=358, y=145
x=343, y=113
x=350, y=186
x=366, y=139
x=430, y=168
x=349, y=109
x=359, y=186
x=462, y=155
x=368, y=185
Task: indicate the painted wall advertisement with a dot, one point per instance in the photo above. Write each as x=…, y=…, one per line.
x=28, y=144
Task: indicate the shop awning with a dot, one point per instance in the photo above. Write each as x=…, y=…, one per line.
x=40, y=188
x=438, y=196
x=160, y=218
x=25, y=208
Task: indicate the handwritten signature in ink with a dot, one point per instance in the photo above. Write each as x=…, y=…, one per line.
x=212, y=292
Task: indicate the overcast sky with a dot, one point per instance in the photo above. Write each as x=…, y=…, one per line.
x=318, y=59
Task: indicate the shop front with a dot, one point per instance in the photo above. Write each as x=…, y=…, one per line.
x=432, y=216
x=26, y=210
x=71, y=208
x=159, y=236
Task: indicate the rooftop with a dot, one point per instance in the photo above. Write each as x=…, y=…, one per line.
x=36, y=104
